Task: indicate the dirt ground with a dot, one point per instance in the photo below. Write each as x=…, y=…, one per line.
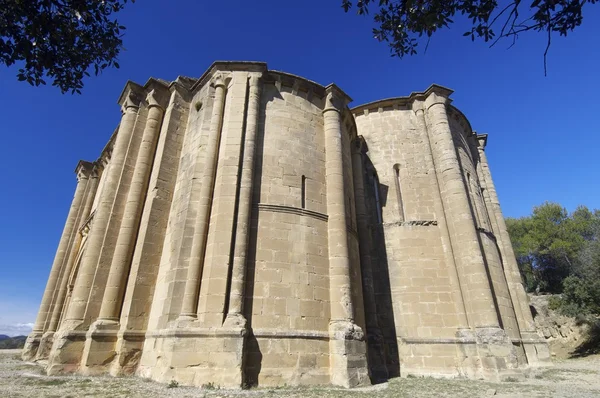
x=578, y=378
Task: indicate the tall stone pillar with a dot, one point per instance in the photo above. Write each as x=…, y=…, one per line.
x=190, y=296
x=347, y=346
x=69, y=340
x=89, y=200
x=45, y=311
x=471, y=268
x=493, y=346
x=81, y=291
x=375, y=346
x=61, y=294
x=102, y=336
x=119, y=270
x=457, y=294
x=536, y=348
x=235, y=315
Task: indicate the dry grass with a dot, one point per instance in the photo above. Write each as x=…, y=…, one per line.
x=573, y=378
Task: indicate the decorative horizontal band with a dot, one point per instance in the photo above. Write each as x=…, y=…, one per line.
x=291, y=334
x=413, y=223
x=437, y=341
x=292, y=210
x=417, y=340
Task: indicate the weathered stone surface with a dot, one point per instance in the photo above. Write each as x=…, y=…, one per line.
x=248, y=228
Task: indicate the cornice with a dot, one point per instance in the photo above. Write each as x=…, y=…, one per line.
x=228, y=66
x=404, y=101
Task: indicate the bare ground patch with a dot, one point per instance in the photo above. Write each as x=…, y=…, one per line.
x=577, y=378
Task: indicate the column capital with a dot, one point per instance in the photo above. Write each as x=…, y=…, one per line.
x=83, y=170
x=359, y=145
x=131, y=103
x=254, y=78
x=435, y=98
x=335, y=99
x=218, y=80
x=152, y=100
x=482, y=141
x=97, y=169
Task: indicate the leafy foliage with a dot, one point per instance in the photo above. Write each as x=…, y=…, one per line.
x=400, y=23
x=60, y=39
x=559, y=252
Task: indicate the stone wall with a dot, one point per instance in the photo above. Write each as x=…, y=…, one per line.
x=248, y=228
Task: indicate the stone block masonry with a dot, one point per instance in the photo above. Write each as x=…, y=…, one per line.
x=248, y=228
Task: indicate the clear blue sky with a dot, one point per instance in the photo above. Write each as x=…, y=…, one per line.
x=544, y=141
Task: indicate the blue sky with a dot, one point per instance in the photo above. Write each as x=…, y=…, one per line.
x=544, y=141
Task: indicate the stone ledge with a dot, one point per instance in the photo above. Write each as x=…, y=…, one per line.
x=412, y=223
x=418, y=340
x=292, y=210
x=196, y=332
x=291, y=334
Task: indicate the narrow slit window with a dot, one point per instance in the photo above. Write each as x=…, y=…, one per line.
x=487, y=208
x=474, y=202
x=377, y=201
x=303, y=193
x=401, y=214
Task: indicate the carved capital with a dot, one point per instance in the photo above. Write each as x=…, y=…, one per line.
x=254, y=79
x=83, y=170
x=481, y=141
x=152, y=100
x=436, y=99
x=131, y=103
x=333, y=102
x=218, y=80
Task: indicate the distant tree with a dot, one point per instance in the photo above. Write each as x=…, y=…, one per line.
x=558, y=252
x=581, y=289
x=401, y=23
x=60, y=40
x=8, y=343
x=546, y=245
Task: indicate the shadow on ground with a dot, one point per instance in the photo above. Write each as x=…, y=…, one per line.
x=591, y=345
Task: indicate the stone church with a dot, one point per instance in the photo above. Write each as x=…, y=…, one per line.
x=248, y=228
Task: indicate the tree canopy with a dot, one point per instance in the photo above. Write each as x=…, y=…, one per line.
x=558, y=252
x=60, y=40
x=400, y=23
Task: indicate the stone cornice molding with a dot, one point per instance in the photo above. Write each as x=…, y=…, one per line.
x=227, y=66
x=138, y=89
x=404, y=102
x=298, y=83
